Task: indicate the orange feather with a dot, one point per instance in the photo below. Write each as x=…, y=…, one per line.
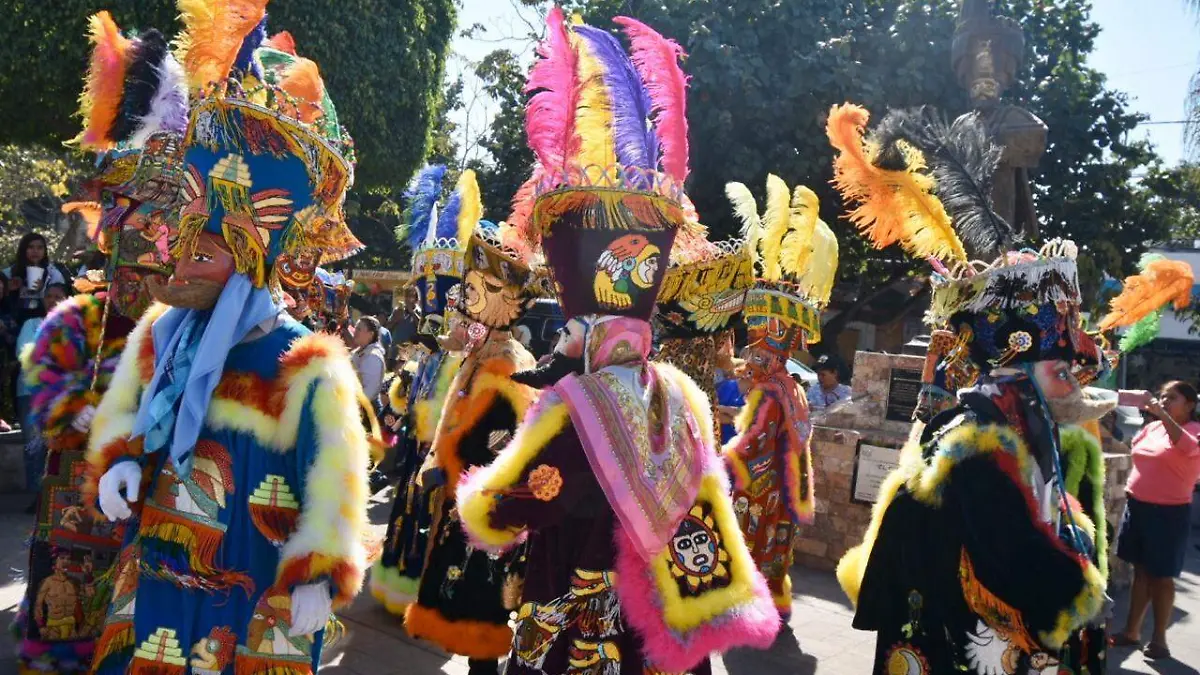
x=302, y=81
x=213, y=32
x=101, y=98
x=1162, y=282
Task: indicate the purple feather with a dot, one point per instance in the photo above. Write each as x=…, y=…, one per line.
x=634, y=137
x=245, y=62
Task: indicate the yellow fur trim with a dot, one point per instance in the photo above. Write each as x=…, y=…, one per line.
x=117, y=410
x=1085, y=606
x=853, y=565
x=783, y=599
x=397, y=402
x=683, y=614
x=746, y=417
x=426, y=413
x=476, y=505
x=962, y=442
x=333, y=520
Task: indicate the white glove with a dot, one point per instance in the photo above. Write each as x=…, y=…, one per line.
x=311, y=607
x=83, y=421
x=127, y=475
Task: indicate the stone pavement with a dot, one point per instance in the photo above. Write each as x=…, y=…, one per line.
x=820, y=640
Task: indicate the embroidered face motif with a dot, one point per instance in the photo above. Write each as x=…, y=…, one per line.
x=624, y=270
x=490, y=301
x=698, y=558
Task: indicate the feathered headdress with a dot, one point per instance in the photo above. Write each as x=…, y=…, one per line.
x=256, y=102
x=921, y=182
x=608, y=128
x=796, y=255
x=433, y=235
x=134, y=88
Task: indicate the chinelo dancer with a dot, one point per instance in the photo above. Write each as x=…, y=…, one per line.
x=466, y=594
x=438, y=264
x=700, y=303
x=135, y=112
x=635, y=560
x=976, y=559
x=770, y=458
x=236, y=431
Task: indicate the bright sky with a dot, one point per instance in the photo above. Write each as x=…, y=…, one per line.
x=1148, y=48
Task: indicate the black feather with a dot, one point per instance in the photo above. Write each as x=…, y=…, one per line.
x=962, y=160
x=141, y=82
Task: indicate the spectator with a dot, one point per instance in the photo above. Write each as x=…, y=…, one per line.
x=28, y=278
x=1154, y=530
x=828, y=389
x=35, y=449
x=730, y=397
x=368, y=357
x=405, y=318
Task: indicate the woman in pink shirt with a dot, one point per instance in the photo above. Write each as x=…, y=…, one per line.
x=1154, y=529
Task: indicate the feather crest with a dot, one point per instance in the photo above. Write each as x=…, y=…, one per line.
x=634, y=140
x=895, y=200
x=657, y=61
x=470, y=209
x=593, y=111
x=302, y=81
x=746, y=210
x=797, y=247
x=776, y=224
x=962, y=161
x=550, y=113
x=100, y=102
x=423, y=191
x=141, y=83
x=169, y=107
x=1161, y=282
x=818, y=278
x=214, y=31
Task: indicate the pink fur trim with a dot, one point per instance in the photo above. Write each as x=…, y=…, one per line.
x=753, y=624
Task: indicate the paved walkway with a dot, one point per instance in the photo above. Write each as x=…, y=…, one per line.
x=820, y=640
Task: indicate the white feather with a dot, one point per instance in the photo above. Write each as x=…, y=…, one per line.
x=170, y=103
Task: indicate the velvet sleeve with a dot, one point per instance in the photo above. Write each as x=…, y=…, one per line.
x=540, y=479
x=1012, y=564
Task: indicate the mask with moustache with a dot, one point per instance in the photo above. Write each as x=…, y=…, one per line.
x=198, y=294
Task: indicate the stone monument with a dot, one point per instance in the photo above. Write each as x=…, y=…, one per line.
x=986, y=52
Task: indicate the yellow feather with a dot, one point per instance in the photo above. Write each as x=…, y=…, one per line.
x=213, y=34
x=593, y=113
x=818, y=280
x=796, y=255
x=471, y=205
x=776, y=222
x=746, y=210
x=927, y=230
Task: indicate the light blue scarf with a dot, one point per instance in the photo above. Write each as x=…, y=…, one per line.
x=190, y=348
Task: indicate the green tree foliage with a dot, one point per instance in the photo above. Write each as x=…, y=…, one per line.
x=382, y=61
x=1175, y=194
x=764, y=75
x=503, y=80
x=34, y=181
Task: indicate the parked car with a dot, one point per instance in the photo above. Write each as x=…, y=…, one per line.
x=807, y=375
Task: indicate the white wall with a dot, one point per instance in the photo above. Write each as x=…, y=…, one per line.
x=1172, y=327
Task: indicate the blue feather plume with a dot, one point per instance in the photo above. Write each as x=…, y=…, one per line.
x=447, y=224
x=634, y=138
x=245, y=62
x=422, y=193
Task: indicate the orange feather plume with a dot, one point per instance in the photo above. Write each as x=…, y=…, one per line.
x=1162, y=282
x=101, y=98
x=302, y=81
x=213, y=33
x=892, y=206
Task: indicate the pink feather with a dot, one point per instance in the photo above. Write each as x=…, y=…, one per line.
x=521, y=218
x=657, y=61
x=550, y=115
